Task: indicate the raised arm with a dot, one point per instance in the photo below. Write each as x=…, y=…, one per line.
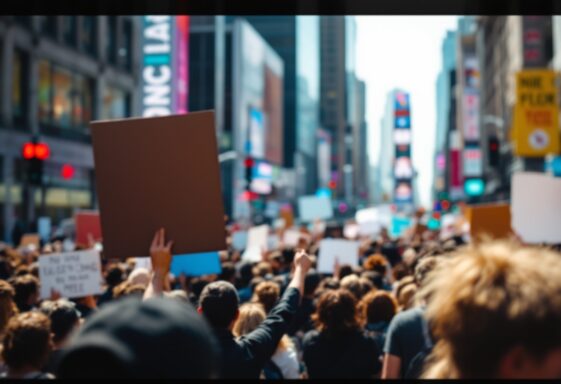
x=264, y=340
x=160, y=255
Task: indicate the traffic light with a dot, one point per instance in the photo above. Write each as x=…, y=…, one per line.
x=494, y=151
x=35, y=154
x=248, y=163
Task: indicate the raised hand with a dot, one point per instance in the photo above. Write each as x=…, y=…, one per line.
x=160, y=253
x=302, y=260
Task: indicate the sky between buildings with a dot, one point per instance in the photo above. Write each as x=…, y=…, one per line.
x=404, y=52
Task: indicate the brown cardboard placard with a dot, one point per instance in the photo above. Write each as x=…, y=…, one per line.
x=87, y=222
x=30, y=239
x=158, y=172
x=489, y=219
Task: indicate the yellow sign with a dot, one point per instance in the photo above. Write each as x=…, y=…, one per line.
x=536, y=114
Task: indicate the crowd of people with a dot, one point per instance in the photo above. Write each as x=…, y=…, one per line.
x=417, y=306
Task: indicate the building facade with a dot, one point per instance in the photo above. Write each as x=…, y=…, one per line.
x=338, y=95
x=58, y=73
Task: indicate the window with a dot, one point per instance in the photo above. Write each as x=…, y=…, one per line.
x=115, y=104
x=88, y=35
x=125, y=48
x=111, y=38
x=48, y=25
x=45, y=88
x=65, y=98
x=62, y=98
x=19, y=94
x=69, y=30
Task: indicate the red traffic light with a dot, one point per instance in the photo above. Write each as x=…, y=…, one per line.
x=28, y=151
x=436, y=215
x=67, y=171
x=42, y=151
x=39, y=151
x=445, y=204
x=332, y=184
x=248, y=162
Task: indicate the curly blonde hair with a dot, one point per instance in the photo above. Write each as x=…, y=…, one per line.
x=486, y=299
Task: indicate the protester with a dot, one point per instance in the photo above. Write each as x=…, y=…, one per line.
x=65, y=319
x=338, y=348
x=406, y=336
x=246, y=356
x=495, y=309
x=26, y=346
x=284, y=362
x=159, y=338
x=377, y=310
x=26, y=292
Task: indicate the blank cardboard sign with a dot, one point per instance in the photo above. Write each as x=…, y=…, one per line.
x=87, y=222
x=536, y=207
x=158, y=172
x=490, y=219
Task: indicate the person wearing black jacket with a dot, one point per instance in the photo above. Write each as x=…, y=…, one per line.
x=219, y=301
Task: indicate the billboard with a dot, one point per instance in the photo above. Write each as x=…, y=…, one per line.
x=472, y=162
x=257, y=108
x=403, y=171
x=536, y=114
x=164, y=65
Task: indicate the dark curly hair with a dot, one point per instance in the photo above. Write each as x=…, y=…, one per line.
x=336, y=312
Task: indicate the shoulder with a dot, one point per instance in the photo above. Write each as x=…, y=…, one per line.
x=409, y=316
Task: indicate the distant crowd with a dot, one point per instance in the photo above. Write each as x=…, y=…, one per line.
x=417, y=306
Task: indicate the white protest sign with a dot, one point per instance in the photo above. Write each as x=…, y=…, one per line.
x=73, y=274
x=143, y=262
x=291, y=237
x=315, y=208
x=345, y=251
x=350, y=231
x=257, y=239
x=536, y=207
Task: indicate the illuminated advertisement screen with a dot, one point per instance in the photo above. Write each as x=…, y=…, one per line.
x=403, y=168
x=402, y=122
x=403, y=192
x=256, y=142
x=165, y=68
x=402, y=136
x=402, y=151
x=401, y=101
x=262, y=178
x=472, y=162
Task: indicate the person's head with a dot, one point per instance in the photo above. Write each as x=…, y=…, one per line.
x=376, y=263
x=277, y=261
x=358, y=286
x=346, y=270
x=406, y=296
x=250, y=316
x=158, y=338
x=27, y=342
x=375, y=278
x=496, y=310
x=114, y=275
x=311, y=283
x=246, y=274
x=228, y=272
x=65, y=318
x=26, y=291
x=6, y=268
x=424, y=267
x=8, y=307
x=262, y=269
x=140, y=276
x=336, y=312
x=409, y=256
x=378, y=306
x=399, y=271
x=267, y=294
x=219, y=303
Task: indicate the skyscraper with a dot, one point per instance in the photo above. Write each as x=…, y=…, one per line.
x=338, y=95
x=296, y=39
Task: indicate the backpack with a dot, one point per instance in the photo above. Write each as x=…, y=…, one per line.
x=415, y=367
